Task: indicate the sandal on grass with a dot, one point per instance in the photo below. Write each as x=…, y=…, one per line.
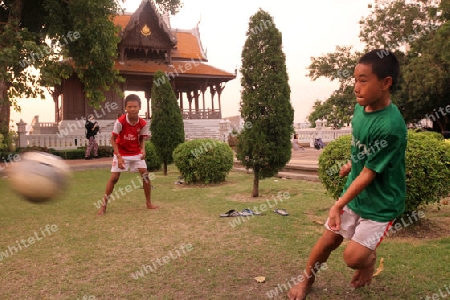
x=230, y=213
x=281, y=211
x=248, y=212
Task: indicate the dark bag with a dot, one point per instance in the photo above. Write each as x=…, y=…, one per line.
x=89, y=132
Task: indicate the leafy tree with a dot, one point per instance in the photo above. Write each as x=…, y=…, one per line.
x=39, y=33
x=338, y=108
x=428, y=92
x=320, y=111
x=417, y=32
x=265, y=146
x=167, y=125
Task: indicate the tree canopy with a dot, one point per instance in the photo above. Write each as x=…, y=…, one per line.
x=417, y=31
x=39, y=33
x=265, y=144
x=166, y=125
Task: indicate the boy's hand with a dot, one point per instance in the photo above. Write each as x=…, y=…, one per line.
x=334, y=216
x=142, y=154
x=345, y=170
x=120, y=162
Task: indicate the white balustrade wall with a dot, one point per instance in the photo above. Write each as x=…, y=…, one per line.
x=64, y=142
x=59, y=141
x=308, y=135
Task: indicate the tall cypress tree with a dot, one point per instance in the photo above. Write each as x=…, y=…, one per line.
x=265, y=143
x=167, y=127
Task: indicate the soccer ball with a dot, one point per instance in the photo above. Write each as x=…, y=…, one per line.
x=38, y=176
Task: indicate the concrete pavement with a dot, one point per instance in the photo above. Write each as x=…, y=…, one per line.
x=303, y=165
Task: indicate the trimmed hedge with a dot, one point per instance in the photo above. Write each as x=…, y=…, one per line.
x=70, y=153
x=78, y=153
x=154, y=162
x=203, y=160
x=427, y=168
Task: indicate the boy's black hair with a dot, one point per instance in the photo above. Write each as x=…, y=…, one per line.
x=133, y=97
x=383, y=65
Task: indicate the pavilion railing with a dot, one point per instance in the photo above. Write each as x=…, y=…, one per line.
x=201, y=114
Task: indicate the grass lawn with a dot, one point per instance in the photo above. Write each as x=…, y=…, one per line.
x=185, y=250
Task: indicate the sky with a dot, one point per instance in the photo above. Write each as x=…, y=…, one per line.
x=309, y=29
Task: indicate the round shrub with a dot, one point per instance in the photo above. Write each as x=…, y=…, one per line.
x=433, y=134
x=203, y=160
x=333, y=157
x=152, y=158
x=427, y=168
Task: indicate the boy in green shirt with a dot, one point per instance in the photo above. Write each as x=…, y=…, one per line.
x=374, y=194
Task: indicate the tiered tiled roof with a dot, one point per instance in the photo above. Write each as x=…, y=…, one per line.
x=188, y=56
x=185, y=68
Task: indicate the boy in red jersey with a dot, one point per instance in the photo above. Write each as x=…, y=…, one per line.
x=127, y=140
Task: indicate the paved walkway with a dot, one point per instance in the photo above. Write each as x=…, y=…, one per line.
x=308, y=158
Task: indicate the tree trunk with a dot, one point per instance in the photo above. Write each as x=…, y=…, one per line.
x=165, y=169
x=5, y=110
x=5, y=103
x=441, y=125
x=255, y=192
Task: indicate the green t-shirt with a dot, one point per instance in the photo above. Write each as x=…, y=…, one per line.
x=379, y=143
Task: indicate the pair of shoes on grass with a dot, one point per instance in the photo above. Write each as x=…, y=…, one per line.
x=247, y=212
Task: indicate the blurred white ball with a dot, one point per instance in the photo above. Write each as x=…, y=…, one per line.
x=38, y=176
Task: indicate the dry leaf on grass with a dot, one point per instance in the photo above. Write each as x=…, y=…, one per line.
x=380, y=268
x=260, y=279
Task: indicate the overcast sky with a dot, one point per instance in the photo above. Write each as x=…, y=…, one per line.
x=310, y=29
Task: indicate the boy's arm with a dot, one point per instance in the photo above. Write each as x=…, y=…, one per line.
x=357, y=186
x=142, y=146
x=116, y=151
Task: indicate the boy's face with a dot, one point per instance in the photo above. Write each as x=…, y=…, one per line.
x=132, y=108
x=369, y=89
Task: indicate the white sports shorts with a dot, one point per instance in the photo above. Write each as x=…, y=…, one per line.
x=132, y=163
x=363, y=231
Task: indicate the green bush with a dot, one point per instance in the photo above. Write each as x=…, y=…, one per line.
x=35, y=148
x=69, y=153
x=3, y=143
x=433, y=134
x=203, y=160
x=105, y=151
x=333, y=157
x=152, y=158
x=427, y=168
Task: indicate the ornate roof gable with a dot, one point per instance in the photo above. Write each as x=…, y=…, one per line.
x=148, y=31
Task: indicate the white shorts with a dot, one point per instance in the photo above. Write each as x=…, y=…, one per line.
x=363, y=231
x=132, y=163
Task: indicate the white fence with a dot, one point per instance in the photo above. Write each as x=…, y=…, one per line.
x=59, y=141
x=63, y=142
x=327, y=135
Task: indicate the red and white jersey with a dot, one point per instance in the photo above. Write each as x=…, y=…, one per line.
x=128, y=135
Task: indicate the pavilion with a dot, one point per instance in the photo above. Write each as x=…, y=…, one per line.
x=148, y=44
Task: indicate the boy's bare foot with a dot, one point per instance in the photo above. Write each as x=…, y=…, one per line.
x=101, y=211
x=151, y=206
x=299, y=291
x=363, y=277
